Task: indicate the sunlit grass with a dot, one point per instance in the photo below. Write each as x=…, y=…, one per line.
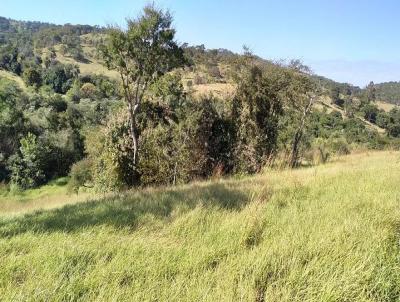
x=52, y=195
x=328, y=233
x=93, y=66
x=13, y=77
x=385, y=106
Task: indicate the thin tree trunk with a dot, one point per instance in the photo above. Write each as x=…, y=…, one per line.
x=133, y=130
x=295, y=148
x=294, y=156
x=174, y=181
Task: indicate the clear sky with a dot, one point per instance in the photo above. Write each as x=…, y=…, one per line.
x=351, y=41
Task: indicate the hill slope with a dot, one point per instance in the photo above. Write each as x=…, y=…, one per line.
x=388, y=92
x=328, y=233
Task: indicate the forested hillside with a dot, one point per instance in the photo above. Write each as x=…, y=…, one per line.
x=388, y=92
x=71, y=104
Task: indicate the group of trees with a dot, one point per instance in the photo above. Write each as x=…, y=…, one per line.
x=42, y=130
x=390, y=121
x=179, y=139
x=146, y=129
x=165, y=137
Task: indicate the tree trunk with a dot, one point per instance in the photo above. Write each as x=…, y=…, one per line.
x=134, y=137
x=133, y=130
x=294, y=155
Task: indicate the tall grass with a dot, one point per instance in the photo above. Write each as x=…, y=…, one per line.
x=52, y=195
x=329, y=233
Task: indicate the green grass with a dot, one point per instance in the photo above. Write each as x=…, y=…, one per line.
x=328, y=233
x=93, y=66
x=13, y=77
x=52, y=195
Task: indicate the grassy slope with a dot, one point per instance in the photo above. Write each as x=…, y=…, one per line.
x=328, y=233
x=92, y=66
x=327, y=103
x=13, y=77
x=50, y=196
x=385, y=106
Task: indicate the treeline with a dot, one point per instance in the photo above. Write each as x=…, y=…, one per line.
x=164, y=136
x=182, y=138
x=40, y=34
x=388, y=92
x=148, y=129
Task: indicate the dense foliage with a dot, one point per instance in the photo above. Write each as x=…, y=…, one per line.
x=56, y=121
x=42, y=132
x=388, y=92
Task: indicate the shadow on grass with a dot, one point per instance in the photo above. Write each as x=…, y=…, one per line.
x=125, y=210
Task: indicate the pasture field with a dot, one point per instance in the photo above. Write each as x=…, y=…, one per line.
x=325, y=233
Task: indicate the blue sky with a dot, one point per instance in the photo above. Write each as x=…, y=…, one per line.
x=351, y=41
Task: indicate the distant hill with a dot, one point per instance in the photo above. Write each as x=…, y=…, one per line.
x=39, y=32
x=213, y=70
x=343, y=87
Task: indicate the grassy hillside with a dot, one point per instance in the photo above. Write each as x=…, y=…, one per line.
x=90, y=66
x=387, y=107
x=10, y=76
x=205, y=69
x=52, y=195
x=327, y=233
x=325, y=103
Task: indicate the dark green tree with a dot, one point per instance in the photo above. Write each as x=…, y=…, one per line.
x=28, y=166
x=371, y=92
x=60, y=77
x=370, y=112
x=12, y=122
x=335, y=96
x=32, y=77
x=141, y=54
x=256, y=110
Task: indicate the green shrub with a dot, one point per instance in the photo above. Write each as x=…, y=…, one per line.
x=319, y=153
x=339, y=146
x=256, y=110
x=74, y=93
x=165, y=156
x=109, y=149
x=60, y=77
x=28, y=166
x=32, y=77
x=80, y=175
x=191, y=148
